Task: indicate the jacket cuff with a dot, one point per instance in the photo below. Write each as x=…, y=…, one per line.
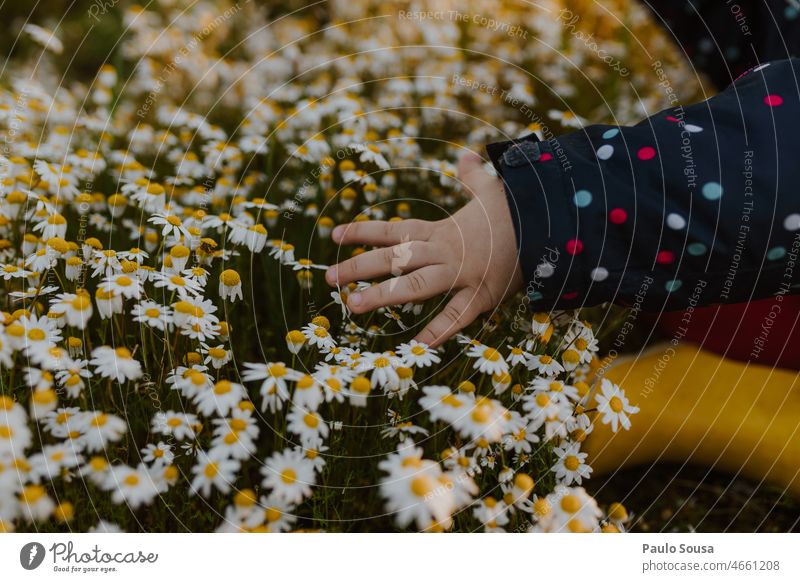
x=539, y=206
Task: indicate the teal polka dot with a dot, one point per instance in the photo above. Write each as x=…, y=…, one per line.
x=535, y=295
x=790, y=12
x=697, y=249
x=673, y=285
x=776, y=253
x=610, y=133
x=712, y=190
x=582, y=198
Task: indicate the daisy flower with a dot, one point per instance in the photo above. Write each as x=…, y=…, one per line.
x=186, y=288
x=158, y=454
x=613, y=405
x=567, y=118
x=274, y=378
x=308, y=425
x=571, y=466
x=483, y=419
x=221, y=399
x=488, y=360
x=123, y=285
x=416, y=490
x=134, y=487
x=442, y=404
x=236, y=436
x=493, y=514
x=152, y=314
x=76, y=308
x=44, y=37
x=35, y=504
x=403, y=430
x=544, y=364
x=295, y=340
x=217, y=356
x=418, y=354
x=517, y=356
x=116, y=363
x=179, y=425
x=569, y=510
x=170, y=224
x=289, y=475
x=98, y=429
x=230, y=285
x=383, y=366
x=213, y=471
x=273, y=515
x=317, y=335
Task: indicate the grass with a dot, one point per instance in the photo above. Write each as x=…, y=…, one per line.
x=675, y=498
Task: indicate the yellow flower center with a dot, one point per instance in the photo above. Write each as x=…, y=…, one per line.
x=570, y=503
x=616, y=404
x=36, y=334
x=311, y=420
x=288, y=476
x=230, y=278
x=422, y=485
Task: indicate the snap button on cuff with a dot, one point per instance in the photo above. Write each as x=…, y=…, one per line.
x=522, y=153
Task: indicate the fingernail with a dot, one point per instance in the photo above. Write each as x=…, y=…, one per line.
x=355, y=299
x=332, y=274
x=337, y=233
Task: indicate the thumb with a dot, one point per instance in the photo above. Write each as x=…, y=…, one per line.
x=468, y=165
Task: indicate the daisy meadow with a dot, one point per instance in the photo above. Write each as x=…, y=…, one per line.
x=170, y=350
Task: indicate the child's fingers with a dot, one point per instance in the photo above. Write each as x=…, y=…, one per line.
x=381, y=232
x=416, y=286
x=395, y=260
x=462, y=310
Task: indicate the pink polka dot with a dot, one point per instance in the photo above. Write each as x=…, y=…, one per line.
x=773, y=100
x=665, y=257
x=646, y=153
x=570, y=295
x=545, y=157
x=618, y=215
x=673, y=119
x=574, y=246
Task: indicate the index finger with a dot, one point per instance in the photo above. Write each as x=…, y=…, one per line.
x=382, y=232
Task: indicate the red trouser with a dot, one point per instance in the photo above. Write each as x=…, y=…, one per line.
x=763, y=332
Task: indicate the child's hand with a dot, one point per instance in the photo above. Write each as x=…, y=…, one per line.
x=472, y=253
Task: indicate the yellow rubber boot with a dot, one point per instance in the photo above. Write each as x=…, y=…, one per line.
x=699, y=407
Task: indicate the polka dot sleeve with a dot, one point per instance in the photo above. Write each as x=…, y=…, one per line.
x=693, y=206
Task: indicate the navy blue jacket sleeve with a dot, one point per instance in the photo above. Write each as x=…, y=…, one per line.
x=693, y=206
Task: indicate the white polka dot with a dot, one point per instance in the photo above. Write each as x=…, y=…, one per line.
x=675, y=221
x=792, y=222
x=545, y=270
x=693, y=128
x=599, y=274
x=758, y=68
x=605, y=151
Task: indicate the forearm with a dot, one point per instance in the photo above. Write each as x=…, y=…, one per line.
x=691, y=206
